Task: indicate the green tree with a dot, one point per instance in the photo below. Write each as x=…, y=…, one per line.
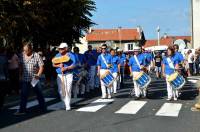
x=45, y=21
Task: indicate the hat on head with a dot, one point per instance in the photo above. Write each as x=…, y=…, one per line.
x=136, y=48
x=63, y=45
x=119, y=50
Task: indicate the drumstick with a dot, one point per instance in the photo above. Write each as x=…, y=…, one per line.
x=63, y=86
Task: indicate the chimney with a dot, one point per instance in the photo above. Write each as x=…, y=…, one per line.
x=165, y=35
x=138, y=29
x=90, y=30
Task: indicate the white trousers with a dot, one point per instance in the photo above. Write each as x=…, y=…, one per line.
x=67, y=82
x=171, y=93
x=138, y=91
x=104, y=89
x=115, y=82
x=92, y=73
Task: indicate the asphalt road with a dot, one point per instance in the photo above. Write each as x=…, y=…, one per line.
x=120, y=114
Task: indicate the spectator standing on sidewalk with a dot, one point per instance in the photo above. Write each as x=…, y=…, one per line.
x=197, y=61
x=191, y=62
x=31, y=68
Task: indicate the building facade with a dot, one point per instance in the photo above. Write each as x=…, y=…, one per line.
x=182, y=41
x=124, y=39
x=196, y=23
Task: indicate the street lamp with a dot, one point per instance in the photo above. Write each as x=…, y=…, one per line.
x=158, y=33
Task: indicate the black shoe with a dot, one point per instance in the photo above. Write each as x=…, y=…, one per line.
x=137, y=98
x=19, y=113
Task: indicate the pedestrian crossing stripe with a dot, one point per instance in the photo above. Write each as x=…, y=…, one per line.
x=169, y=109
x=32, y=103
x=96, y=105
x=132, y=107
x=60, y=105
x=192, y=81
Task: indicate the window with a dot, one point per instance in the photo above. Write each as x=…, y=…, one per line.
x=130, y=46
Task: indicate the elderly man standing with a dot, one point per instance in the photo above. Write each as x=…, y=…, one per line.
x=65, y=70
x=31, y=68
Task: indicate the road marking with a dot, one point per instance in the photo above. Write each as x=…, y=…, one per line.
x=169, y=109
x=32, y=103
x=132, y=107
x=193, y=81
x=60, y=105
x=96, y=105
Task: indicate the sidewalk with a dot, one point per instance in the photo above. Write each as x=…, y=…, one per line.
x=14, y=99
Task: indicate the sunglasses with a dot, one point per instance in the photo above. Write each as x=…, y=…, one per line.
x=103, y=48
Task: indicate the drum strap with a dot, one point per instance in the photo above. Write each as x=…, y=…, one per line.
x=136, y=59
x=171, y=65
x=104, y=60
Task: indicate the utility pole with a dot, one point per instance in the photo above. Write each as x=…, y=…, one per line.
x=158, y=34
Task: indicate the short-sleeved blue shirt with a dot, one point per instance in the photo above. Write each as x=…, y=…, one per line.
x=91, y=57
x=115, y=62
x=168, y=69
x=133, y=63
x=100, y=61
x=179, y=57
x=122, y=59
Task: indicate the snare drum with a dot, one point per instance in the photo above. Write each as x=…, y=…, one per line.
x=107, y=78
x=142, y=79
x=176, y=80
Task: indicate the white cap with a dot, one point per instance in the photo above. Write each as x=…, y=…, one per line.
x=119, y=50
x=137, y=48
x=63, y=45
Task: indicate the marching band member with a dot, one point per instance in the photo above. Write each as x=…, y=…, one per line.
x=115, y=69
x=136, y=64
x=104, y=63
x=122, y=58
x=91, y=60
x=169, y=65
x=79, y=73
x=65, y=74
x=97, y=79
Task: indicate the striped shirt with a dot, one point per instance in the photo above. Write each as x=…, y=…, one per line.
x=30, y=66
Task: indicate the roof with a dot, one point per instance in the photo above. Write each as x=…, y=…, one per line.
x=113, y=34
x=169, y=40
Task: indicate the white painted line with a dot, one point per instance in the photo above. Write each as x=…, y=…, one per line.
x=96, y=105
x=60, y=105
x=32, y=103
x=169, y=109
x=132, y=107
x=193, y=81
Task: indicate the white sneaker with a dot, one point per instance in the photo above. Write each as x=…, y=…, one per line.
x=109, y=96
x=169, y=99
x=67, y=108
x=175, y=99
x=103, y=97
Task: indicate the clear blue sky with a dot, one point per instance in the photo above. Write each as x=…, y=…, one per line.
x=173, y=16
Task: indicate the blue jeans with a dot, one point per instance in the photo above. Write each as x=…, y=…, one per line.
x=25, y=88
